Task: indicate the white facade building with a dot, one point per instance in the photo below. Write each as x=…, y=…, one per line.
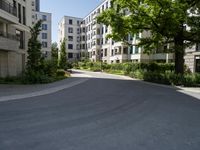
x=70, y=31
x=93, y=40
x=192, y=58
x=45, y=34
x=15, y=17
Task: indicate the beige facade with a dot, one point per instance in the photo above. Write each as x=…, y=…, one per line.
x=46, y=33
x=192, y=58
x=70, y=30
x=15, y=17
x=98, y=47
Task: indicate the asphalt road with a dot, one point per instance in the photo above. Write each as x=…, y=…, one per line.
x=103, y=113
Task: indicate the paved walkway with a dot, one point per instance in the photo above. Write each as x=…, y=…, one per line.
x=12, y=92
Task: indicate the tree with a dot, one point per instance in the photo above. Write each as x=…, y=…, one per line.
x=63, y=55
x=54, y=52
x=165, y=20
x=34, y=49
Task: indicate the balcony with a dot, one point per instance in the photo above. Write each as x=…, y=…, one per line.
x=8, y=7
x=8, y=12
x=9, y=42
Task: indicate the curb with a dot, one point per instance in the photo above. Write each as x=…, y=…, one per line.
x=42, y=92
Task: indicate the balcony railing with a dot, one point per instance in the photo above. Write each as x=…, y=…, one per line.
x=8, y=7
x=9, y=36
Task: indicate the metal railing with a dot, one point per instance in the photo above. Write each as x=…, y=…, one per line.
x=8, y=7
x=9, y=36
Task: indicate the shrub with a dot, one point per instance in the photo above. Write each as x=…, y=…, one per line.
x=139, y=74
x=197, y=77
x=68, y=66
x=60, y=73
x=50, y=67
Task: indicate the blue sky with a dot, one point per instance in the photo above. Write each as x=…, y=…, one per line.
x=59, y=8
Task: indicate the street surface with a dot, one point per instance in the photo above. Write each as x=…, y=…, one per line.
x=103, y=112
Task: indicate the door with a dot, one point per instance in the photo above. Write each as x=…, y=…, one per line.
x=198, y=64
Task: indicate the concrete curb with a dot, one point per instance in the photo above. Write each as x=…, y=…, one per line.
x=42, y=92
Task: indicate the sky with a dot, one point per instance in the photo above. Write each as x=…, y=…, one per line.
x=60, y=8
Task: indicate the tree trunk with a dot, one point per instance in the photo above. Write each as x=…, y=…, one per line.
x=179, y=55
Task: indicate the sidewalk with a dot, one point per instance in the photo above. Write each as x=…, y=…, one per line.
x=13, y=92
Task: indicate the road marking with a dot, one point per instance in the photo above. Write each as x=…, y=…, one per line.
x=42, y=92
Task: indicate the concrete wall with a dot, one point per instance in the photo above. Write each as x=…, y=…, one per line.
x=12, y=59
x=11, y=63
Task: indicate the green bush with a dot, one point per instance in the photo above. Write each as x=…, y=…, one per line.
x=139, y=74
x=32, y=77
x=197, y=77
x=68, y=66
x=60, y=73
x=49, y=68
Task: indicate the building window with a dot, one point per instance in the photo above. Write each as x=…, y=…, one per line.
x=83, y=38
x=198, y=47
x=44, y=26
x=106, y=5
x=136, y=50
x=112, y=52
x=19, y=13
x=105, y=52
x=78, y=30
x=137, y=36
x=70, y=30
x=83, y=46
x=106, y=29
x=44, y=17
x=44, y=44
x=197, y=64
x=44, y=35
x=131, y=49
x=70, y=46
x=102, y=7
x=70, y=21
x=83, y=30
x=20, y=36
x=78, y=46
x=70, y=38
x=24, y=15
x=78, y=38
x=70, y=55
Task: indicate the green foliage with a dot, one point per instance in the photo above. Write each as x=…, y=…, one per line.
x=68, y=65
x=164, y=19
x=34, y=49
x=49, y=68
x=152, y=72
x=54, y=53
x=60, y=72
x=10, y=80
x=39, y=70
x=34, y=77
x=63, y=55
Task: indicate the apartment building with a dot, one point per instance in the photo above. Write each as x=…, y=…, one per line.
x=15, y=17
x=72, y=30
x=45, y=34
x=192, y=58
x=94, y=41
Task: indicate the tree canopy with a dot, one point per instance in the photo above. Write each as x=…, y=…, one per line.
x=63, y=55
x=167, y=21
x=54, y=51
x=34, y=48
